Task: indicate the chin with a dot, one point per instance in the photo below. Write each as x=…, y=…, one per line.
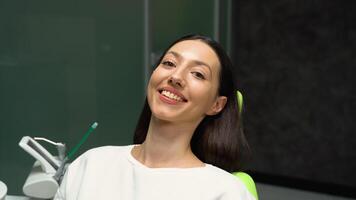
x=164, y=116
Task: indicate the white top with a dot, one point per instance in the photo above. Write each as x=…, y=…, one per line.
x=111, y=172
x=3, y=190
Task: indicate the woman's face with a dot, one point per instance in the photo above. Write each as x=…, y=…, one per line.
x=184, y=86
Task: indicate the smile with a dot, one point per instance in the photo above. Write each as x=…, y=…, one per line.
x=171, y=95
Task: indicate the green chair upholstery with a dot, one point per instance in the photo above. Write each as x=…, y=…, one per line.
x=245, y=178
x=248, y=181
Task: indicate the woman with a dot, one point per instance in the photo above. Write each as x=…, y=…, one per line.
x=188, y=137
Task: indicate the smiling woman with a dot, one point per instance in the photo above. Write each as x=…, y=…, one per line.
x=187, y=140
x=182, y=75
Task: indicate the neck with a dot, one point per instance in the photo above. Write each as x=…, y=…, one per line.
x=167, y=145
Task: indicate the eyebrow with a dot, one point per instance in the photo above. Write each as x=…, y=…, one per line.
x=197, y=62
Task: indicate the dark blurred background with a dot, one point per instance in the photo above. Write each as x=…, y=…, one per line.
x=296, y=63
x=66, y=64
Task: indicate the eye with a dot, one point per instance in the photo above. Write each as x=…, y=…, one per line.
x=199, y=75
x=168, y=63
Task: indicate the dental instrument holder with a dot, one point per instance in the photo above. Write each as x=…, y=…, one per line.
x=48, y=171
x=41, y=182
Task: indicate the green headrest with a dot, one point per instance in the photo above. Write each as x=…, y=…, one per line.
x=240, y=101
x=248, y=181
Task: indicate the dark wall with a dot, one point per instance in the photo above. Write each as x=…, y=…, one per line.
x=296, y=64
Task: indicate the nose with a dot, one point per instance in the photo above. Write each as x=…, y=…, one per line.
x=175, y=81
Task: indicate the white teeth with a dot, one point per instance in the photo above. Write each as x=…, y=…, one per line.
x=171, y=95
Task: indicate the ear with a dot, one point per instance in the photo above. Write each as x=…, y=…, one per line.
x=218, y=105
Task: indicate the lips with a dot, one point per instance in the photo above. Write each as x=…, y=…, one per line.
x=171, y=95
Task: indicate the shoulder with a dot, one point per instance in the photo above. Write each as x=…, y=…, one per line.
x=222, y=175
x=100, y=156
x=106, y=151
x=90, y=167
x=232, y=187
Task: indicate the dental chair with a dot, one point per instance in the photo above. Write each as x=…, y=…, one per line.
x=244, y=177
x=248, y=182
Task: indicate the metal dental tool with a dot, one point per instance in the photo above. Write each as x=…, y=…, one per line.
x=62, y=168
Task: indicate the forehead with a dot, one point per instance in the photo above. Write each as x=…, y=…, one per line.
x=196, y=50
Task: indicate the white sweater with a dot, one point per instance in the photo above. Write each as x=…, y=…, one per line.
x=111, y=172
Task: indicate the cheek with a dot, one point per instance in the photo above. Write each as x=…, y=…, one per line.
x=203, y=93
x=153, y=80
x=156, y=78
x=157, y=75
